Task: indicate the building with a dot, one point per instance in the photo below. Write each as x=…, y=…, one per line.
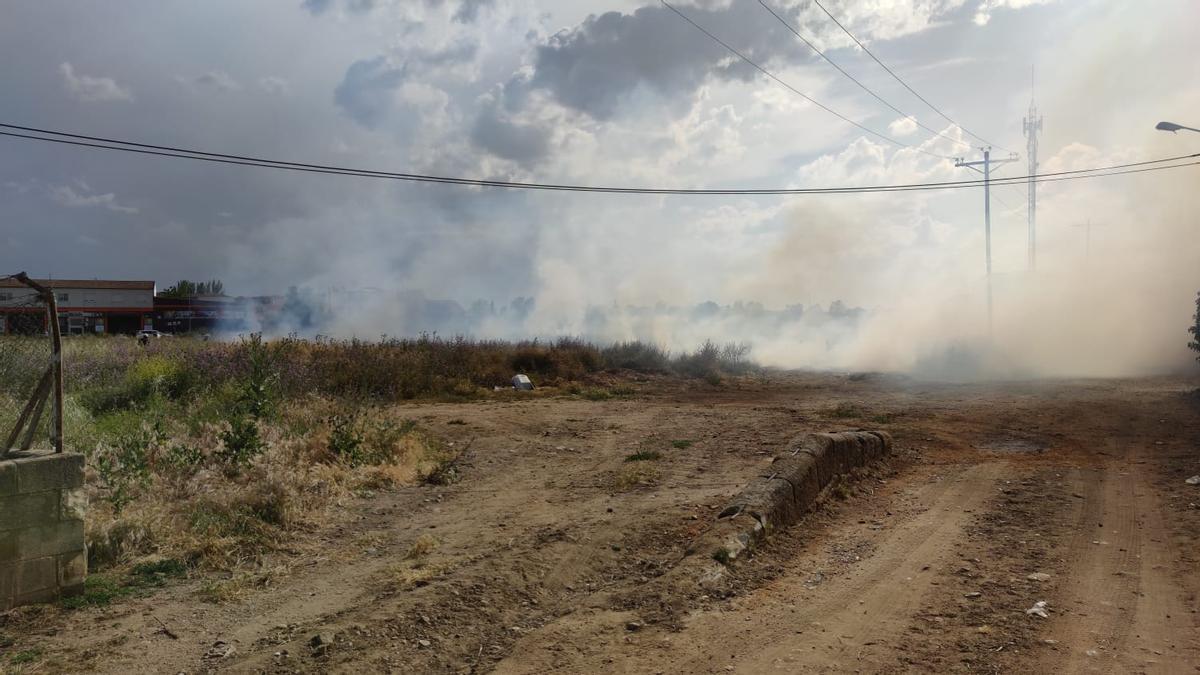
x=202, y=314
x=84, y=306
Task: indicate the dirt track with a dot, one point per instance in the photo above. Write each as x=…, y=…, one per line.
x=542, y=563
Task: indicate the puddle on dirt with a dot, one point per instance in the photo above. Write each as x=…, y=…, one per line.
x=1010, y=445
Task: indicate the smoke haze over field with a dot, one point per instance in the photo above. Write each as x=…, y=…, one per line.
x=620, y=92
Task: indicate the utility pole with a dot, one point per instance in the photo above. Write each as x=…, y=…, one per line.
x=987, y=163
x=1032, y=126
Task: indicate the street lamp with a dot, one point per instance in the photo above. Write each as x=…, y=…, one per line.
x=1172, y=127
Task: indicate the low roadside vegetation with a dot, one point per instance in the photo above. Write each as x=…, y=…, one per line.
x=208, y=455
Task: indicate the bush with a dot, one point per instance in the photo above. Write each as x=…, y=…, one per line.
x=241, y=441
x=125, y=467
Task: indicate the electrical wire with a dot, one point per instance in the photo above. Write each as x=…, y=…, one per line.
x=101, y=143
x=796, y=91
x=855, y=80
x=901, y=81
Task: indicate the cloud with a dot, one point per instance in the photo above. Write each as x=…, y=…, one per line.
x=902, y=127
x=277, y=86
x=90, y=89
x=217, y=79
x=67, y=196
x=520, y=142
x=468, y=11
x=983, y=14
x=317, y=6
x=367, y=91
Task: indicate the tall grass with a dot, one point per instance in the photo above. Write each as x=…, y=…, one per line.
x=211, y=453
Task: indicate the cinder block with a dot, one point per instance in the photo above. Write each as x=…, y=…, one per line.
x=61, y=537
x=73, y=504
x=36, y=574
x=8, y=546
x=29, y=510
x=72, y=569
x=49, y=472
x=8, y=578
x=43, y=595
x=8, y=477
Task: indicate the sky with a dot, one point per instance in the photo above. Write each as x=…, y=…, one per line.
x=622, y=92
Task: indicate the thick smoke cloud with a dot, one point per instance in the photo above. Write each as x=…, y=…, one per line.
x=593, y=91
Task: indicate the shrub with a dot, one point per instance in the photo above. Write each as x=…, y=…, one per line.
x=124, y=467
x=241, y=442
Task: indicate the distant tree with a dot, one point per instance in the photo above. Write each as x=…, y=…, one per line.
x=191, y=289
x=1194, y=344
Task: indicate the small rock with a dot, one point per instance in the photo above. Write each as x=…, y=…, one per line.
x=1038, y=576
x=219, y=650
x=1038, y=610
x=424, y=644
x=972, y=594
x=633, y=626
x=1194, y=480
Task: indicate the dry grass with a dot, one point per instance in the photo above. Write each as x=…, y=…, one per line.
x=422, y=546
x=215, y=516
x=635, y=475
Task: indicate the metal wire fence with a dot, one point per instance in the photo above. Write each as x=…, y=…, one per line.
x=28, y=367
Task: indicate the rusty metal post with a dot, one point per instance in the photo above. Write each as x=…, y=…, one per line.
x=56, y=361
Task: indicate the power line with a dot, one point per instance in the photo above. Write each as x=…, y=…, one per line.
x=101, y=143
x=796, y=91
x=901, y=81
x=855, y=80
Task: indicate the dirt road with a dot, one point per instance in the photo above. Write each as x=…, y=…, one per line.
x=543, y=558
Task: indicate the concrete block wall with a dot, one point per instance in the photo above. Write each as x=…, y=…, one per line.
x=42, y=506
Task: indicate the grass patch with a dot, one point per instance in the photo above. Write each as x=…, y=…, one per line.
x=457, y=421
x=845, y=410
x=885, y=418
x=422, y=546
x=98, y=591
x=101, y=590
x=682, y=444
x=636, y=474
x=25, y=657
x=722, y=556
x=596, y=394
x=644, y=456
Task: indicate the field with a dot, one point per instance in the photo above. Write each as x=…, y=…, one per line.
x=452, y=528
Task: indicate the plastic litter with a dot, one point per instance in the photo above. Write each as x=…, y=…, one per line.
x=522, y=383
x=1038, y=610
x=1194, y=480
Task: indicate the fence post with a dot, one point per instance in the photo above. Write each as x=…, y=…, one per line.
x=56, y=361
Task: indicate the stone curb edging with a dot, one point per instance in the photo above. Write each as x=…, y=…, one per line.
x=796, y=479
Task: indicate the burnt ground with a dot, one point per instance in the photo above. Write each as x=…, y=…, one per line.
x=544, y=556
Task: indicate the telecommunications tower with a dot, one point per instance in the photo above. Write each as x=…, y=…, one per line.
x=1032, y=126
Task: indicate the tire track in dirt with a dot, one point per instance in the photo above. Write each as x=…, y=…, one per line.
x=1123, y=610
x=789, y=625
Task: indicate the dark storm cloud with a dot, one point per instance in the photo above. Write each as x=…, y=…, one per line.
x=526, y=144
x=321, y=6
x=594, y=66
x=317, y=6
x=468, y=11
x=366, y=91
